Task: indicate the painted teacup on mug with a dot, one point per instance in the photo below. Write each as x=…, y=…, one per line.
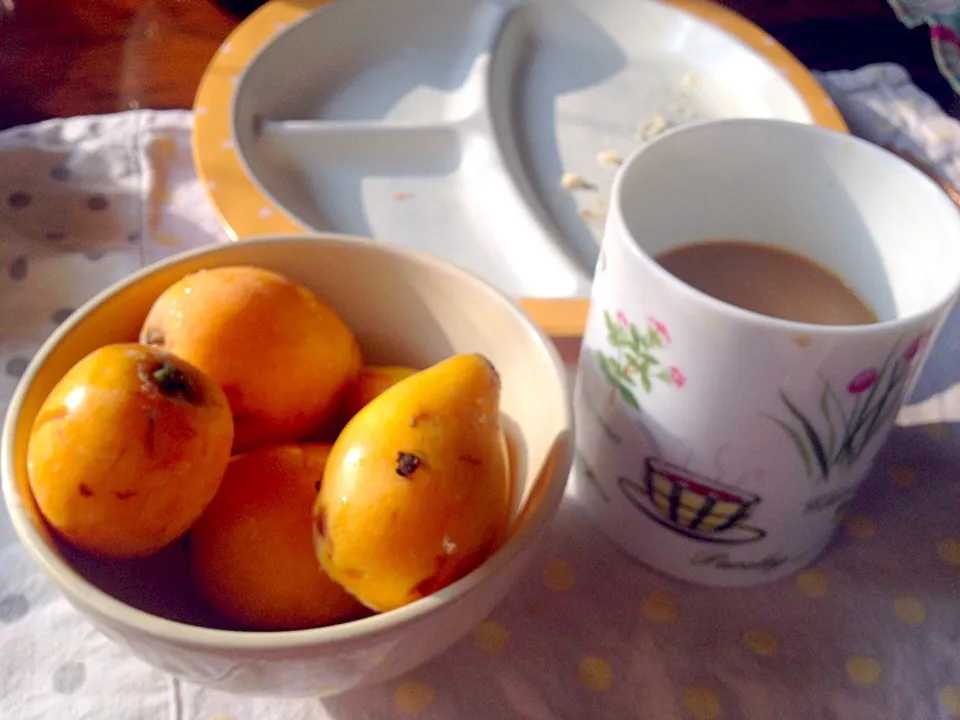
x=694, y=505
x=718, y=443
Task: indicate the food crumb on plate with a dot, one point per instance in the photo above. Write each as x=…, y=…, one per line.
x=609, y=158
x=401, y=196
x=591, y=215
x=652, y=127
x=574, y=181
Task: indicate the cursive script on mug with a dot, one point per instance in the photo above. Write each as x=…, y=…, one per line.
x=722, y=561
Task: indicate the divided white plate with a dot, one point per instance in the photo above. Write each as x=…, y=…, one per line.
x=446, y=125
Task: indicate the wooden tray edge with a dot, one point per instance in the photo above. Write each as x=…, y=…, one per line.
x=563, y=319
x=558, y=317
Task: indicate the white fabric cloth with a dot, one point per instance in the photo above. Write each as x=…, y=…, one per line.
x=870, y=633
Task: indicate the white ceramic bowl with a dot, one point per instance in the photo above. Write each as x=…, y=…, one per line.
x=406, y=308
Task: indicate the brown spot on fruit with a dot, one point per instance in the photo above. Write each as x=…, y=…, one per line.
x=470, y=460
x=125, y=494
x=407, y=463
x=85, y=490
x=153, y=336
x=316, y=486
x=417, y=419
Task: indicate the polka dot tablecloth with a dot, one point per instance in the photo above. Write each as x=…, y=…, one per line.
x=871, y=632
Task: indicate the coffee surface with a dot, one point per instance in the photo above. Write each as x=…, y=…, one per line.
x=768, y=280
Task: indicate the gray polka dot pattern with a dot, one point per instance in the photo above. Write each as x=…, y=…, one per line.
x=69, y=677
x=60, y=314
x=62, y=197
x=97, y=203
x=16, y=366
x=19, y=200
x=18, y=268
x=12, y=608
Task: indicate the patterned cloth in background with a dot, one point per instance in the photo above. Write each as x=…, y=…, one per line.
x=879, y=102
x=943, y=17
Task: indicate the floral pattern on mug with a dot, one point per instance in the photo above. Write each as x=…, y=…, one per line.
x=849, y=420
x=632, y=363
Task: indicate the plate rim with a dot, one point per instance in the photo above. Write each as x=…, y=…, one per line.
x=244, y=211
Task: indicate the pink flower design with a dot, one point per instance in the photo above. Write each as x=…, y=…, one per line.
x=679, y=379
x=916, y=346
x=863, y=381
x=622, y=319
x=660, y=328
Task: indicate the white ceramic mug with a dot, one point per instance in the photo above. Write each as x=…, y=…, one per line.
x=718, y=445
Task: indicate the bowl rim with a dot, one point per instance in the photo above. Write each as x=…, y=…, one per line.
x=79, y=590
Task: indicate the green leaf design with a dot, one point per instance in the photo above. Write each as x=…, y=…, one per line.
x=797, y=441
x=881, y=421
x=846, y=433
x=812, y=437
x=884, y=407
x=610, y=323
x=859, y=418
x=605, y=364
x=629, y=397
x=838, y=406
x=832, y=433
x=631, y=361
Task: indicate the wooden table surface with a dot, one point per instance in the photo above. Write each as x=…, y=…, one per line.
x=72, y=57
